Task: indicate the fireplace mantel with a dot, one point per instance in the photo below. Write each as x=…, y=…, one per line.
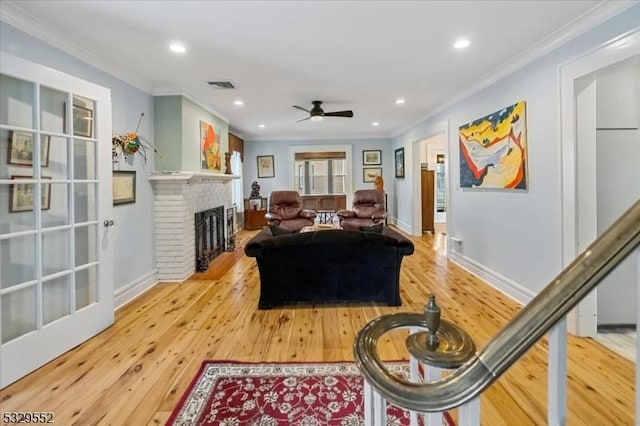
x=185, y=175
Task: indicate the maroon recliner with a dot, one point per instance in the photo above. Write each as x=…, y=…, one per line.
x=368, y=209
x=285, y=210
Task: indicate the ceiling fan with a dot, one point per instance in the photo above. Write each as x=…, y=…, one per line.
x=317, y=113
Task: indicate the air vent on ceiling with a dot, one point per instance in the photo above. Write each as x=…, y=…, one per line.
x=224, y=84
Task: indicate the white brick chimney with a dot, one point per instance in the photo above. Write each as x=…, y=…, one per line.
x=178, y=196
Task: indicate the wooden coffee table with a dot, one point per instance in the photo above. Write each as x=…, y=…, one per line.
x=320, y=227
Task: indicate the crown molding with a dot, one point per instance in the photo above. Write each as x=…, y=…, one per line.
x=326, y=139
x=193, y=98
x=595, y=16
x=12, y=14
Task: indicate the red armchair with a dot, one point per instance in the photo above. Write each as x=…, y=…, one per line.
x=285, y=210
x=368, y=209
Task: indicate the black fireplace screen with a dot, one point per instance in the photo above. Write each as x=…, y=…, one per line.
x=231, y=239
x=209, y=236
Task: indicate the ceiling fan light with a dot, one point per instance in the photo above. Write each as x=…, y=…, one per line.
x=316, y=118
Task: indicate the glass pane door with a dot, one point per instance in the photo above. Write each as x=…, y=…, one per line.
x=51, y=263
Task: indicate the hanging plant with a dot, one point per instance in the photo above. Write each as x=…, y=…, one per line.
x=131, y=143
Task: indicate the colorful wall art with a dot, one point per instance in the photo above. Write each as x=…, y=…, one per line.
x=210, y=157
x=493, y=150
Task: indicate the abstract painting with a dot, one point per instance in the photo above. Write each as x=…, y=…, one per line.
x=493, y=150
x=210, y=157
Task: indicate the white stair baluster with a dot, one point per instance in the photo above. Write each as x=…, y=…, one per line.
x=557, y=386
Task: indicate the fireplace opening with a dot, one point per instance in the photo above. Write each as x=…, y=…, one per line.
x=210, y=242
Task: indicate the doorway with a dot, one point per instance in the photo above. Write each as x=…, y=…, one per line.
x=433, y=170
x=586, y=151
x=427, y=151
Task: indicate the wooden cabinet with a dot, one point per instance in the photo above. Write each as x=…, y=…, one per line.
x=254, y=219
x=427, y=195
x=332, y=202
x=254, y=211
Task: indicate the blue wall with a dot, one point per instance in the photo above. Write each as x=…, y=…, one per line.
x=513, y=235
x=134, y=256
x=284, y=166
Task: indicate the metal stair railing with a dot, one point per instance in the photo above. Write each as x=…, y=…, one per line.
x=548, y=308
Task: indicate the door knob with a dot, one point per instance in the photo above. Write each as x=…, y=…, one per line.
x=109, y=223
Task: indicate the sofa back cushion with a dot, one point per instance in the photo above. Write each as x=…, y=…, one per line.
x=278, y=230
x=373, y=228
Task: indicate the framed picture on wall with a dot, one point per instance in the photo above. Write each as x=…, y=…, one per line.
x=21, y=195
x=124, y=187
x=21, y=149
x=265, y=166
x=371, y=157
x=399, y=162
x=369, y=174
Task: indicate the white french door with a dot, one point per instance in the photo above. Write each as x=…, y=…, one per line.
x=56, y=287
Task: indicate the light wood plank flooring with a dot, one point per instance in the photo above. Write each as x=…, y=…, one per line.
x=135, y=372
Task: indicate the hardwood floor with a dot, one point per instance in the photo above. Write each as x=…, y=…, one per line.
x=135, y=372
x=620, y=340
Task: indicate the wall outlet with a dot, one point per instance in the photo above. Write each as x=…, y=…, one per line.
x=456, y=244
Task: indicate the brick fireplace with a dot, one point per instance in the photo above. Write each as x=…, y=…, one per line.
x=178, y=196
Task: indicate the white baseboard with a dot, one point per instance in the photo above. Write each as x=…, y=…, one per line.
x=400, y=224
x=128, y=292
x=506, y=286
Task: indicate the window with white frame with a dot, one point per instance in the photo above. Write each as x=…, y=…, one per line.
x=320, y=172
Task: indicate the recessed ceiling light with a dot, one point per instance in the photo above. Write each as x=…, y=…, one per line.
x=375, y=124
x=462, y=43
x=400, y=101
x=177, y=47
x=238, y=102
x=262, y=126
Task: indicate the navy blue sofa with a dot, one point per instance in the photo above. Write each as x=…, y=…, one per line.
x=329, y=266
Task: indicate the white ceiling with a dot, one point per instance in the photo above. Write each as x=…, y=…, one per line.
x=350, y=54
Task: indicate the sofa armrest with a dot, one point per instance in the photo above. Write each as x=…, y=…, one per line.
x=307, y=214
x=254, y=246
x=273, y=218
x=346, y=214
x=405, y=246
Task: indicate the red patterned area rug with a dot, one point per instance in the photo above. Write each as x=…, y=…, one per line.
x=307, y=394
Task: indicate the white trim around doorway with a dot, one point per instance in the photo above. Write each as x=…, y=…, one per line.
x=582, y=320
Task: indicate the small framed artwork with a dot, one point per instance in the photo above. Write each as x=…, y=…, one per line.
x=265, y=166
x=399, y=162
x=124, y=187
x=369, y=174
x=372, y=158
x=21, y=195
x=21, y=149
x=82, y=121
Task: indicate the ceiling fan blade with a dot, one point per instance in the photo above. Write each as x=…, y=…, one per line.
x=305, y=110
x=303, y=119
x=339, y=114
